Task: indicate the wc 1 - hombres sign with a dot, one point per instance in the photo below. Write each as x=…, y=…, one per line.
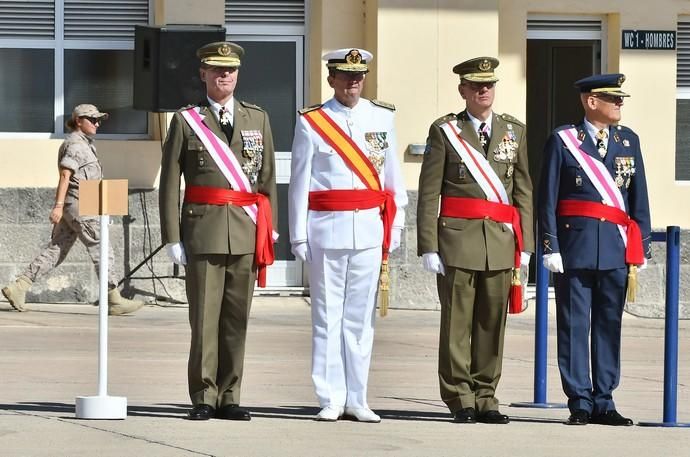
x=649, y=39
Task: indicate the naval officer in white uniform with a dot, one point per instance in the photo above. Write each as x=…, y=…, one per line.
x=343, y=247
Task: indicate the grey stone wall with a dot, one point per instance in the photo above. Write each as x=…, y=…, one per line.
x=25, y=230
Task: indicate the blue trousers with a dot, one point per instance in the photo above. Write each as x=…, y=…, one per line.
x=590, y=300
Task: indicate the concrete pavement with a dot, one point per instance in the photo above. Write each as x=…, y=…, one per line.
x=49, y=356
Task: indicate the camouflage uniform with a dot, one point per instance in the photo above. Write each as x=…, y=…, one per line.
x=77, y=153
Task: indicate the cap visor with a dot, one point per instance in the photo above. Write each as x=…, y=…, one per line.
x=214, y=62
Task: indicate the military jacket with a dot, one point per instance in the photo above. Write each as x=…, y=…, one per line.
x=215, y=229
x=586, y=242
x=473, y=244
x=317, y=166
x=78, y=153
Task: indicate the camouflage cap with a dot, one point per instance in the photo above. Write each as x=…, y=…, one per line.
x=88, y=110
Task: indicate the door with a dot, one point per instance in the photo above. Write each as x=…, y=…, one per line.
x=271, y=76
x=560, y=50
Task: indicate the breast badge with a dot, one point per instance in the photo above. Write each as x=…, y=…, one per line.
x=462, y=171
x=376, y=144
x=507, y=149
x=625, y=170
x=253, y=150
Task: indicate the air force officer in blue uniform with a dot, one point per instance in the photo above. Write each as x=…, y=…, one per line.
x=587, y=254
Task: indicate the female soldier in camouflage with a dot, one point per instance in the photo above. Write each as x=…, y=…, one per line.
x=76, y=160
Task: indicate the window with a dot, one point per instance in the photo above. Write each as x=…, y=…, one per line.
x=59, y=53
x=683, y=100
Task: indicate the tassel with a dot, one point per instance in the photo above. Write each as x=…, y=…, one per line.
x=384, y=287
x=632, y=283
x=515, y=303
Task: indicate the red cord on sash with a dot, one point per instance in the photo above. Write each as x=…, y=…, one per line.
x=263, y=252
x=634, y=252
x=350, y=200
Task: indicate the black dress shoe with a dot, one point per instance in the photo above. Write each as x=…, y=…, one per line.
x=492, y=417
x=233, y=413
x=611, y=417
x=578, y=417
x=465, y=416
x=201, y=412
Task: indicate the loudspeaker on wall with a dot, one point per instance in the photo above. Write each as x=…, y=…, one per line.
x=166, y=69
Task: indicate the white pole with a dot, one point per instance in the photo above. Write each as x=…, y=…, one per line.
x=103, y=308
x=102, y=406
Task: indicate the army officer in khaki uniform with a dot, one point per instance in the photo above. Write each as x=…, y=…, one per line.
x=224, y=149
x=476, y=161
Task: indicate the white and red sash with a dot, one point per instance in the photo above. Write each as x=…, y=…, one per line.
x=224, y=158
x=597, y=173
x=478, y=166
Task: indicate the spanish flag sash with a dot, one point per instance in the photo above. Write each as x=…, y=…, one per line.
x=346, y=199
x=347, y=149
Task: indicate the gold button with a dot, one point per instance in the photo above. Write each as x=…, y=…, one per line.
x=190, y=211
x=567, y=225
x=443, y=224
x=356, y=210
x=603, y=219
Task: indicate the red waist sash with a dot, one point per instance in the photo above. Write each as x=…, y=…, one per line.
x=634, y=253
x=475, y=208
x=350, y=200
x=263, y=251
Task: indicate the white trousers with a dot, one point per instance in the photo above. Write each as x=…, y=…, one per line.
x=343, y=284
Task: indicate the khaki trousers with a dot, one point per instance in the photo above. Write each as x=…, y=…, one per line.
x=474, y=305
x=219, y=291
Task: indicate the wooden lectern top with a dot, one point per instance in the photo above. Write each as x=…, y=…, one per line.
x=107, y=196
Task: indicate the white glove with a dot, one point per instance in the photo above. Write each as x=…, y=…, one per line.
x=553, y=262
x=176, y=253
x=396, y=235
x=431, y=262
x=301, y=251
x=643, y=265
x=524, y=258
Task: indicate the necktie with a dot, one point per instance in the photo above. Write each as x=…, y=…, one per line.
x=602, y=142
x=225, y=124
x=484, y=136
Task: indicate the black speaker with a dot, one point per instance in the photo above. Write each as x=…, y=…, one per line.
x=166, y=69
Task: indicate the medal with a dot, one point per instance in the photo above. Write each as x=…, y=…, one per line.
x=510, y=170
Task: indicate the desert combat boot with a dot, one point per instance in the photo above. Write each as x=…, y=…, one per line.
x=117, y=304
x=15, y=293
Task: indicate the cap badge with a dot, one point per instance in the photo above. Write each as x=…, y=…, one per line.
x=224, y=50
x=485, y=65
x=621, y=80
x=353, y=57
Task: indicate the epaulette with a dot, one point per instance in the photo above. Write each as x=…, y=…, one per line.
x=251, y=105
x=622, y=128
x=508, y=118
x=306, y=109
x=446, y=118
x=564, y=127
x=186, y=107
x=386, y=105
